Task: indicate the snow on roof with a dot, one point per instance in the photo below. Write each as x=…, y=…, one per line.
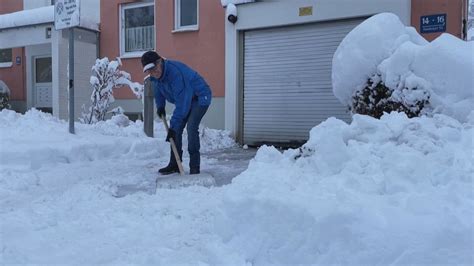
x=27, y=17
x=38, y=16
x=235, y=2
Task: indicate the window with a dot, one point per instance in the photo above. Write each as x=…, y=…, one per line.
x=6, y=58
x=186, y=17
x=44, y=70
x=137, y=28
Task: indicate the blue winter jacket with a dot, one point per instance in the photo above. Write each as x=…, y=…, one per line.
x=180, y=85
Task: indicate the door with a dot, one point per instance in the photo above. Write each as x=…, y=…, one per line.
x=287, y=87
x=43, y=89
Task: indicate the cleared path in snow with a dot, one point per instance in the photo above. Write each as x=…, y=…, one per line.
x=223, y=165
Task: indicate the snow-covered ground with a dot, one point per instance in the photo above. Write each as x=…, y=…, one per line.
x=394, y=191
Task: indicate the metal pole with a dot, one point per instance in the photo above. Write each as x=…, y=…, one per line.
x=148, y=108
x=71, y=80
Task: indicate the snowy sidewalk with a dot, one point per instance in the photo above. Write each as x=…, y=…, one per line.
x=228, y=163
x=223, y=165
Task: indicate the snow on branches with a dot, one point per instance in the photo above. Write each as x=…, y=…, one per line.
x=106, y=76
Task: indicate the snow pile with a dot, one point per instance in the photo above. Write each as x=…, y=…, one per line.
x=209, y=136
x=394, y=191
x=37, y=139
x=383, y=46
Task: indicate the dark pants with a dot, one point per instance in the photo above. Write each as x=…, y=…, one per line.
x=191, y=122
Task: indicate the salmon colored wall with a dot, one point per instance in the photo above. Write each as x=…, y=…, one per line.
x=452, y=8
x=14, y=76
x=203, y=50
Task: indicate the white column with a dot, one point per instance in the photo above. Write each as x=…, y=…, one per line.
x=55, y=56
x=231, y=79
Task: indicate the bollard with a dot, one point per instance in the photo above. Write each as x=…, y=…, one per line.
x=148, y=108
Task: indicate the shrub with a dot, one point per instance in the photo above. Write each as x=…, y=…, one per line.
x=4, y=101
x=106, y=76
x=375, y=99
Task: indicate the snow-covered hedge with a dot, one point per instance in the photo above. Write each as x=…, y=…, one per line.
x=4, y=101
x=375, y=99
x=436, y=77
x=4, y=96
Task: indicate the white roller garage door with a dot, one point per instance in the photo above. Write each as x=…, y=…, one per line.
x=287, y=81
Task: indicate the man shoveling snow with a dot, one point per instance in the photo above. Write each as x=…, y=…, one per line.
x=180, y=85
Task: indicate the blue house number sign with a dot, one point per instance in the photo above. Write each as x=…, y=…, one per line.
x=433, y=23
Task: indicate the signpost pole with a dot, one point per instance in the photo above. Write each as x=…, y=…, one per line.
x=71, y=80
x=67, y=15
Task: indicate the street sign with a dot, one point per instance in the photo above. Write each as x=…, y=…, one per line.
x=66, y=14
x=433, y=23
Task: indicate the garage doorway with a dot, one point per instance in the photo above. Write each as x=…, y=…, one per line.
x=287, y=87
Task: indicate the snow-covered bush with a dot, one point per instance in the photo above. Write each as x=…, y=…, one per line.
x=4, y=101
x=106, y=77
x=375, y=99
x=4, y=96
x=415, y=76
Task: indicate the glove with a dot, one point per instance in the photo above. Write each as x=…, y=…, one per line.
x=171, y=135
x=161, y=112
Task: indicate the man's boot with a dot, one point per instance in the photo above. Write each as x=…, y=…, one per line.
x=170, y=169
x=194, y=171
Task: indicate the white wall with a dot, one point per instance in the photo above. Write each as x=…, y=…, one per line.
x=272, y=13
x=85, y=54
x=24, y=36
x=30, y=4
x=90, y=9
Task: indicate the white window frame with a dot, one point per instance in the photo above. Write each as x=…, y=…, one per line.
x=124, y=7
x=7, y=64
x=177, y=18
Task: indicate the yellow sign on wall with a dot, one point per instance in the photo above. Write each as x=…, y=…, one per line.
x=306, y=11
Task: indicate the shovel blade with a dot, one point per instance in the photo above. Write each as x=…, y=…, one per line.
x=175, y=181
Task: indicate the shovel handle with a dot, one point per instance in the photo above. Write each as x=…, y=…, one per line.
x=173, y=147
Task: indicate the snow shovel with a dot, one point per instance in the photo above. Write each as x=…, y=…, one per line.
x=173, y=181
x=173, y=147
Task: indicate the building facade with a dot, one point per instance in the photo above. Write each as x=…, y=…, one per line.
x=279, y=59
x=269, y=70
x=34, y=56
x=189, y=31
x=12, y=68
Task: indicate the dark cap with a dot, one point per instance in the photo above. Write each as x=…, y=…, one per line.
x=149, y=59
